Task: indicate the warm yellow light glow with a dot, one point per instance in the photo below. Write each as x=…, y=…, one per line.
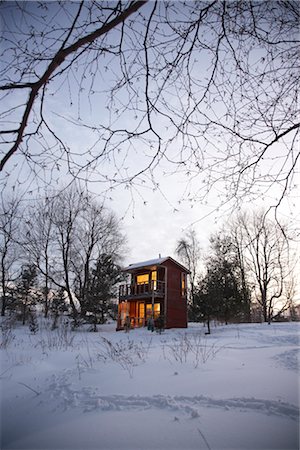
x=154, y=280
x=156, y=310
x=183, y=284
x=142, y=279
x=123, y=310
x=141, y=312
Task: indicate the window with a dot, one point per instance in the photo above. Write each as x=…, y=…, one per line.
x=141, y=312
x=183, y=284
x=156, y=310
x=154, y=279
x=123, y=312
x=142, y=279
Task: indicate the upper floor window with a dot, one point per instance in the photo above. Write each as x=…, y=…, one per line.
x=183, y=284
x=154, y=279
x=142, y=279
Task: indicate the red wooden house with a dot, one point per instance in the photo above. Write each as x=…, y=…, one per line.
x=157, y=289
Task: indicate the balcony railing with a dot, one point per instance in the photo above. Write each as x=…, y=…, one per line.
x=142, y=289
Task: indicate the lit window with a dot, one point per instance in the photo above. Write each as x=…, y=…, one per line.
x=183, y=284
x=154, y=280
x=156, y=310
x=142, y=279
x=141, y=312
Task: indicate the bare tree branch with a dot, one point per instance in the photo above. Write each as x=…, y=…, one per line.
x=57, y=61
x=208, y=90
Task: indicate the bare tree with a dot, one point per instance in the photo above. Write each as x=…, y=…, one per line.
x=10, y=217
x=208, y=87
x=67, y=209
x=268, y=262
x=98, y=233
x=38, y=240
x=188, y=249
x=64, y=235
x=237, y=239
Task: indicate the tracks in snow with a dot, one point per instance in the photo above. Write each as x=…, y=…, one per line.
x=88, y=399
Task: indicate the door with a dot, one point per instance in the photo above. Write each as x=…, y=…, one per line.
x=141, y=314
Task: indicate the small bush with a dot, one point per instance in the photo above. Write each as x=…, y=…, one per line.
x=59, y=339
x=127, y=353
x=7, y=336
x=196, y=347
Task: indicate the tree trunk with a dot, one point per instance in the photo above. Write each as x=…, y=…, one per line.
x=24, y=312
x=3, y=306
x=208, y=326
x=46, y=289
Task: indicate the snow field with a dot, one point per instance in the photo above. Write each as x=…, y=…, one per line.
x=235, y=389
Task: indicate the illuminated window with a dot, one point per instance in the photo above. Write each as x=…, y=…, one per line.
x=154, y=279
x=183, y=284
x=142, y=279
x=123, y=311
x=149, y=310
x=156, y=310
x=141, y=310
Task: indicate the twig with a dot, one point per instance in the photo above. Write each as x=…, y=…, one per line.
x=28, y=387
x=1, y=374
x=203, y=437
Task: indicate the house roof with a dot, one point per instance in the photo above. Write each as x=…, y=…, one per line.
x=152, y=262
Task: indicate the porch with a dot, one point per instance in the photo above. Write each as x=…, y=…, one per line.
x=146, y=289
x=136, y=314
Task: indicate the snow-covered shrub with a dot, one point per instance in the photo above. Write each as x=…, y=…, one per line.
x=127, y=353
x=195, y=347
x=7, y=336
x=58, y=339
x=179, y=347
x=202, y=350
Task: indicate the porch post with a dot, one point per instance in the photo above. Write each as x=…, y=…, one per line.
x=152, y=286
x=166, y=295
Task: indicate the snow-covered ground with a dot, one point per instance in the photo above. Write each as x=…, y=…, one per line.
x=235, y=389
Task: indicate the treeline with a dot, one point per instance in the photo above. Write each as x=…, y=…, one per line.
x=61, y=252
x=247, y=273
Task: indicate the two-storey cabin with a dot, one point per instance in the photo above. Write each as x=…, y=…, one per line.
x=157, y=289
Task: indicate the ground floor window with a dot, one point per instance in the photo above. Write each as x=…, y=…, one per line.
x=138, y=312
x=156, y=310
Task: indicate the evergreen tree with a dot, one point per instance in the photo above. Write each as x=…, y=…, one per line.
x=221, y=292
x=104, y=276
x=205, y=306
x=24, y=292
x=58, y=306
x=226, y=279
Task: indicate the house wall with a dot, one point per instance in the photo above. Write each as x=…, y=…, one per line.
x=176, y=315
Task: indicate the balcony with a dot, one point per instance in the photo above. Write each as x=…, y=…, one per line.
x=142, y=290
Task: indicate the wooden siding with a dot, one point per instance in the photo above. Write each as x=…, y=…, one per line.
x=176, y=313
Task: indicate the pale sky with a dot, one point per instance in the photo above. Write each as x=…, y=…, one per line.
x=153, y=220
